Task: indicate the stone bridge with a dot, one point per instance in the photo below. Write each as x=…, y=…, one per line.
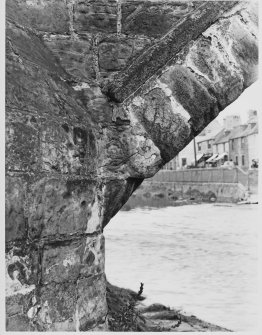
x=100, y=95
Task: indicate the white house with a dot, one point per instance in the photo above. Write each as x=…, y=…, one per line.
x=252, y=142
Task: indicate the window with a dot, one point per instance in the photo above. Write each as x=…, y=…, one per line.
x=224, y=147
x=243, y=160
x=198, y=146
x=209, y=144
x=183, y=161
x=232, y=144
x=217, y=148
x=236, y=160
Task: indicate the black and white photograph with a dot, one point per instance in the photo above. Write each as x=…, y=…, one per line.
x=131, y=164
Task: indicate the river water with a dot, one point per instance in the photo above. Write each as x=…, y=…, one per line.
x=201, y=259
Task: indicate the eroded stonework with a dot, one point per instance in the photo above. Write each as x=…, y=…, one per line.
x=100, y=95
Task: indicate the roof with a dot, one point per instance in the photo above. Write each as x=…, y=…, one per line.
x=209, y=160
x=238, y=131
x=251, y=129
x=210, y=136
x=222, y=137
x=209, y=133
x=221, y=156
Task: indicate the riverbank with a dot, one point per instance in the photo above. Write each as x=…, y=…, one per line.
x=126, y=312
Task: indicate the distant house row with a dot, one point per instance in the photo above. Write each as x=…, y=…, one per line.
x=217, y=144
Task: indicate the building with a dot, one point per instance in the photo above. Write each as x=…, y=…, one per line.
x=251, y=134
x=220, y=148
x=172, y=165
x=205, y=142
x=221, y=141
x=243, y=142
x=186, y=157
x=238, y=146
x=216, y=145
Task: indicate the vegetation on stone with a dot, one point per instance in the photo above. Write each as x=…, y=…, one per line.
x=127, y=313
x=122, y=309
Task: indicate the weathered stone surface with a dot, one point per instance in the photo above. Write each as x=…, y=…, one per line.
x=18, y=303
x=15, y=219
x=93, y=260
x=156, y=57
x=153, y=19
x=18, y=322
x=84, y=257
x=42, y=15
x=91, y=305
x=115, y=194
x=58, y=301
x=18, y=309
x=167, y=130
x=114, y=55
x=22, y=141
x=76, y=152
x=116, y=52
x=61, y=263
x=67, y=149
x=75, y=55
x=21, y=282
x=60, y=207
x=95, y=16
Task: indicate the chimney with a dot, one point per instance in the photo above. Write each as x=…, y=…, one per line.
x=231, y=121
x=252, y=116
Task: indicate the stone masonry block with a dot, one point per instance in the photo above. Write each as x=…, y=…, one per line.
x=91, y=302
x=75, y=55
x=113, y=55
x=22, y=147
x=18, y=322
x=58, y=302
x=67, y=149
x=15, y=219
x=19, y=303
x=22, y=266
x=93, y=262
x=61, y=207
x=50, y=16
x=95, y=16
x=62, y=263
x=152, y=19
x=83, y=258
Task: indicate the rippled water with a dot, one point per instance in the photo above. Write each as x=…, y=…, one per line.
x=199, y=258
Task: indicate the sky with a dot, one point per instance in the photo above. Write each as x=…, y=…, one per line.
x=249, y=99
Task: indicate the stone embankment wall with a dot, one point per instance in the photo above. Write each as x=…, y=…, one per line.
x=100, y=95
x=253, y=181
x=175, y=193
x=221, y=185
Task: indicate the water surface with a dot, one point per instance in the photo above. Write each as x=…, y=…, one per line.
x=200, y=258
